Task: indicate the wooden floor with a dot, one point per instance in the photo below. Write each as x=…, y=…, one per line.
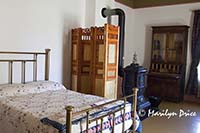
x=175, y=124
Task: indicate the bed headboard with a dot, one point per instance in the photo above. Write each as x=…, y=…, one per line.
x=23, y=64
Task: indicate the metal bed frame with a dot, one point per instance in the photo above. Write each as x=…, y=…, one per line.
x=23, y=62
x=69, y=109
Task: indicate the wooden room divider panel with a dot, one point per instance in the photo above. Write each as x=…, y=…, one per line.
x=95, y=60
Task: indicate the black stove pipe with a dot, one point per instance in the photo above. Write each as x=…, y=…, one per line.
x=121, y=23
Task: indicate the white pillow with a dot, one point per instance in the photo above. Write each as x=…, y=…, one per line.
x=31, y=87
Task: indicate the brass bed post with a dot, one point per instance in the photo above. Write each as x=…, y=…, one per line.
x=135, y=90
x=101, y=127
x=10, y=72
x=69, y=119
x=87, y=122
x=47, y=61
x=124, y=110
x=23, y=80
x=35, y=67
x=113, y=123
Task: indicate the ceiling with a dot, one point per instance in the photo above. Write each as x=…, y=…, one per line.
x=151, y=3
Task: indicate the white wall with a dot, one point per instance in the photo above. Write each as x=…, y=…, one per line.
x=34, y=25
x=93, y=15
x=165, y=15
x=99, y=19
x=90, y=7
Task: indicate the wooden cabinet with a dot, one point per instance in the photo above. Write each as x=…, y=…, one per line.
x=95, y=60
x=166, y=78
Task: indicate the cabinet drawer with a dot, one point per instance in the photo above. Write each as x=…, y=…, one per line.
x=164, y=88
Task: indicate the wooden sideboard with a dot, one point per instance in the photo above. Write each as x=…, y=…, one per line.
x=166, y=78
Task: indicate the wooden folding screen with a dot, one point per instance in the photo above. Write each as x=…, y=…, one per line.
x=95, y=60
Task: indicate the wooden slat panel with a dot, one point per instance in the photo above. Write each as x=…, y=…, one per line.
x=111, y=39
x=90, y=62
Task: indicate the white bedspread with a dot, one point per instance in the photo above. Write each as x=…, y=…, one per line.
x=22, y=113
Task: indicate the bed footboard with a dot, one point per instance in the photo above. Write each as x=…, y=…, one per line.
x=69, y=110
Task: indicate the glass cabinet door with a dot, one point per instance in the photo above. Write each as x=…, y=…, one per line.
x=167, y=47
x=159, y=46
x=174, y=47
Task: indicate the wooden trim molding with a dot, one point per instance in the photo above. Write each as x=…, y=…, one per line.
x=152, y=3
x=129, y=3
x=191, y=98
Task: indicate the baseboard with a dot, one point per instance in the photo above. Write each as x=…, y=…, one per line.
x=191, y=98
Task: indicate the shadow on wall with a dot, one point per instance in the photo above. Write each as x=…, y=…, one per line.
x=66, y=58
x=66, y=67
x=147, y=47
